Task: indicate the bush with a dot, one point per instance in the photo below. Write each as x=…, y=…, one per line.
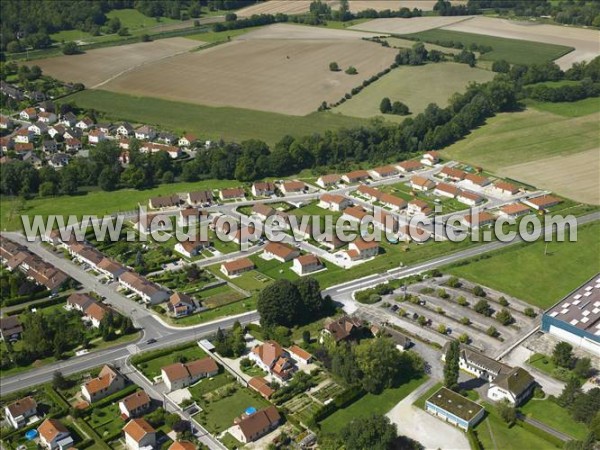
x=462, y=301
x=351, y=70
x=441, y=293
x=492, y=331
x=465, y=321
x=504, y=317
x=482, y=307
x=454, y=282
x=478, y=291
x=442, y=328
x=70, y=48
x=333, y=66
x=464, y=338
x=529, y=312
x=503, y=301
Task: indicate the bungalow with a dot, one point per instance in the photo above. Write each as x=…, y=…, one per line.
x=139, y=435
x=476, y=180
x=409, y=166
x=469, y=198
x=73, y=145
x=181, y=305
x=28, y=114
x=514, y=386
x=135, y=405
x=145, y=133
x=542, y=203
x=369, y=192
x=306, y=264
x=191, y=248
x=191, y=216
x=10, y=328
x=180, y=375
x=446, y=190
x=361, y=249
x=300, y=355
x=418, y=207
x=480, y=219
x=454, y=408
x=148, y=291
x=47, y=117
x=334, y=202
x=326, y=181
x=69, y=119
x=263, y=189
x=125, y=129
x=24, y=136
x=54, y=435
x=393, y=202
x=280, y=252
x=237, y=267
x=106, y=383
x=232, y=194
x=19, y=411
x=85, y=124
x=56, y=130
x=187, y=140
x=340, y=329
x=356, y=176
x=421, y=183
x=199, y=198
x=430, y=158
x=263, y=212
x=292, y=187
x=96, y=136
x=272, y=358
x=259, y=384
x=354, y=213
x=514, y=210
x=504, y=188
x=385, y=171
x=450, y=173
x=167, y=201
x=252, y=427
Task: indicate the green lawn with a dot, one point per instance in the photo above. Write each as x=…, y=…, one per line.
x=106, y=421
x=136, y=21
x=494, y=434
x=210, y=384
x=231, y=309
x=151, y=368
x=218, y=415
x=416, y=86
x=230, y=124
x=569, y=109
x=541, y=279
x=369, y=404
x=514, y=138
x=555, y=416
x=514, y=51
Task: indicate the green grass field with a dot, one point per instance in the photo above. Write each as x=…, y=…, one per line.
x=555, y=416
x=526, y=273
x=514, y=138
x=570, y=109
x=369, y=404
x=416, y=86
x=219, y=36
x=231, y=124
x=514, y=51
x=136, y=21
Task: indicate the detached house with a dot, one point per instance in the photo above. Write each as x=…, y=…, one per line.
x=514, y=210
x=504, y=188
x=480, y=219
x=139, y=435
x=232, y=194
x=47, y=117
x=385, y=171
x=251, y=427
x=17, y=413
x=446, y=190
x=73, y=145
x=85, y=124
x=449, y=173
x=10, y=328
x=334, y=202
x=125, y=129
x=167, y=201
x=29, y=114
x=418, y=207
x=24, y=136
x=56, y=130
x=237, y=267
x=326, y=181
x=393, y=202
x=542, y=203
x=514, y=386
x=179, y=375
x=190, y=216
x=181, y=304
x=421, y=183
x=476, y=180
x=145, y=133
x=54, y=435
x=191, y=248
x=263, y=189
x=69, y=119
x=469, y=198
x=430, y=158
x=199, y=198
x=292, y=187
x=263, y=212
x=280, y=252
x=187, y=140
x=272, y=358
x=96, y=136
x=106, y=383
x=135, y=405
x=361, y=249
x=306, y=264
x=409, y=166
x=340, y=329
x=356, y=176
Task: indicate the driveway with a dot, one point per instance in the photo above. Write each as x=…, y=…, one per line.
x=423, y=427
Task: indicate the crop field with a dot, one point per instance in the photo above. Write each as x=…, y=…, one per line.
x=585, y=42
x=397, y=42
x=282, y=74
x=574, y=176
x=278, y=7
x=95, y=67
x=394, y=5
x=515, y=51
x=416, y=86
x=407, y=26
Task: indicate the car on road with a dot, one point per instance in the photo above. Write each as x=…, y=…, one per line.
x=150, y=341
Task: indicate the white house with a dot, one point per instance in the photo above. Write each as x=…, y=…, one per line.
x=96, y=136
x=251, y=427
x=334, y=202
x=272, y=358
x=54, y=435
x=38, y=128
x=300, y=355
x=145, y=133
x=179, y=375
x=361, y=249
x=469, y=198
x=106, y=383
x=263, y=189
x=306, y=264
x=326, y=181
x=24, y=136
x=430, y=158
x=514, y=386
x=28, y=114
x=135, y=405
x=19, y=411
x=419, y=183
x=139, y=435
x=85, y=124
x=47, y=117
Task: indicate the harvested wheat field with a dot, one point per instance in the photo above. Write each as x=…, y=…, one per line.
x=585, y=42
x=408, y=26
x=395, y=5
x=95, y=67
x=288, y=31
x=573, y=176
x=278, y=6
x=289, y=76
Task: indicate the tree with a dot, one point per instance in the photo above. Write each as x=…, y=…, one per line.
x=462, y=301
x=400, y=109
x=570, y=392
x=230, y=17
x=351, y=70
x=501, y=66
x=70, y=48
x=483, y=307
x=333, y=66
x=583, y=367
x=422, y=320
x=378, y=360
x=279, y=304
x=586, y=406
x=507, y=412
x=451, y=365
x=442, y=328
x=529, y=312
x=313, y=304
x=563, y=355
x=502, y=300
x=464, y=338
x=504, y=317
x=492, y=331
x=385, y=106
x=59, y=381
x=478, y=291
x=374, y=433
x=306, y=336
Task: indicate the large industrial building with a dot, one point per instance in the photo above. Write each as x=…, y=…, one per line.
x=576, y=318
